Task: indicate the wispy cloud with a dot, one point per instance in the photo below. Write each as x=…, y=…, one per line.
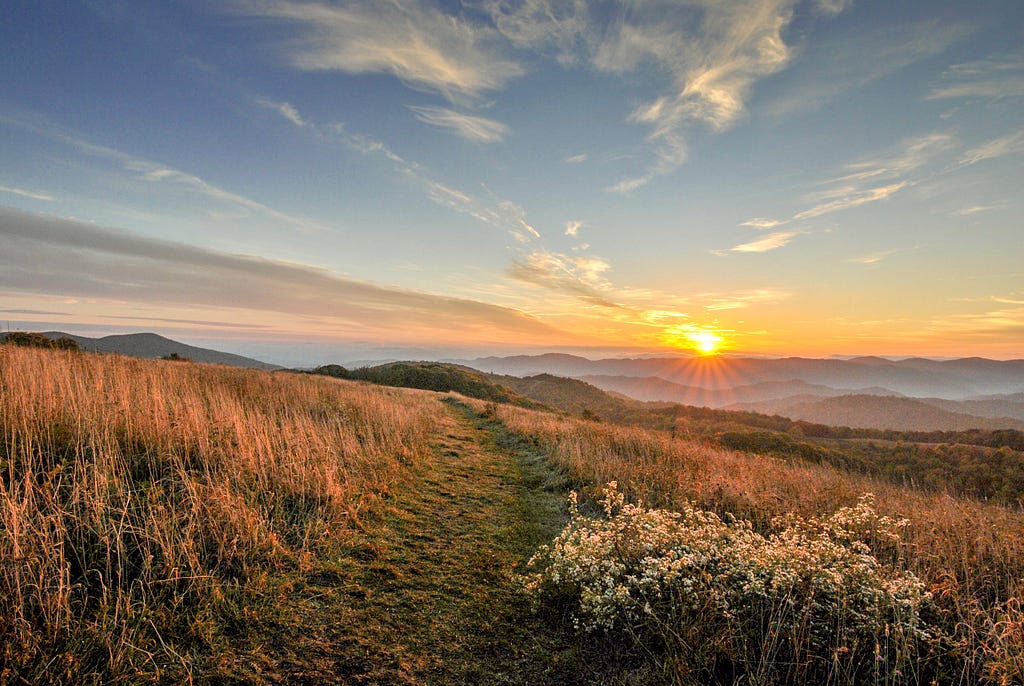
x=770, y=242
x=877, y=178
x=576, y=159
x=846, y=197
x=1007, y=301
x=831, y=68
x=49, y=313
x=997, y=147
x=975, y=209
x=468, y=126
x=582, y=276
x=833, y=6
x=710, y=53
x=868, y=180
x=495, y=211
x=284, y=109
x=629, y=185
x=761, y=223
x=572, y=227
x=153, y=172
x=34, y=195
x=48, y=255
x=418, y=43
x=716, y=302
x=998, y=77
x=873, y=258
x=1005, y=323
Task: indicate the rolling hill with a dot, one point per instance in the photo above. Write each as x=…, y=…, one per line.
x=433, y=376
x=656, y=388
x=153, y=346
x=949, y=379
x=878, y=412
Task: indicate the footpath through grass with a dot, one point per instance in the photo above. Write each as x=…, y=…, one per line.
x=427, y=592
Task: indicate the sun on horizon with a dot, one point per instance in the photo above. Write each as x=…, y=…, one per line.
x=704, y=342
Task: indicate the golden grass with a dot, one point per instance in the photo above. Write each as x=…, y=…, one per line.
x=137, y=496
x=970, y=554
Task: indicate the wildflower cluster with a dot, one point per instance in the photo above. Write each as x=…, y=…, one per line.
x=720, y=600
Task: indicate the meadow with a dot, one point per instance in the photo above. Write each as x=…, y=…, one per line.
x=152, y=513
x=145, y=504
x=969, y=555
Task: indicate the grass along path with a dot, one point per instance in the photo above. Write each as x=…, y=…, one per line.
x=427, y=592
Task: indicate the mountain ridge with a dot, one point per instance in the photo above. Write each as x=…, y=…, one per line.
x=917, y=377
x=148, y=345
x=878, y=412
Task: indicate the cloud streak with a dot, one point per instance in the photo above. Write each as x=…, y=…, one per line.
x=34, y=195
x=47, y=255
x=579, y=275
x=998, y=147
x=762, y=223
x=417, y=43
x=995, y=78
x=467, y=126
x=838, y=66
x=500, y=213
x=772, y=241
x=873, y=258
x=708, y=53
x=874, y=179
x=284, y=109
x=155, y=173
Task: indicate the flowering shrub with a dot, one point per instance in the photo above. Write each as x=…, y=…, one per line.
x=715, y=600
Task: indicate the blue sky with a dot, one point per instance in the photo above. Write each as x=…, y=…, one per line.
x=764, y=176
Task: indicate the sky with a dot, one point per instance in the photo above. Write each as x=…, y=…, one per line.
x=315, y=181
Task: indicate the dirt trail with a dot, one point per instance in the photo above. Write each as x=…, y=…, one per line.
x=428, y=594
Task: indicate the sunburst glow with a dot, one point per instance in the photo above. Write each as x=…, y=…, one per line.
x=706, y=342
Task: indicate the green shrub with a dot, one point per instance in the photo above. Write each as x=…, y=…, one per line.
x=715, y=601
x=31, y=339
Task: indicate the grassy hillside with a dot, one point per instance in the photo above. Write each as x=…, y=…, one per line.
x=143, y=504
x=969, y=555
x=432, y=376
x=163, y=522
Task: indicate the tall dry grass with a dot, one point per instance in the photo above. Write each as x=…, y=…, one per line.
x=970, y=554
x=138, y=497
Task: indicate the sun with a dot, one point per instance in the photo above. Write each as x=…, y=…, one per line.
x=705, y=342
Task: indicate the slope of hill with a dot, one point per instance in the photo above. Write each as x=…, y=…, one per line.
x=878, y=412
x=993, y=407
x=153, y=346
x=432, y=376
x=568, y=395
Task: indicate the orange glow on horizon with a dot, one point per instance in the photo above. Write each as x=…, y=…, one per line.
x=704, y=341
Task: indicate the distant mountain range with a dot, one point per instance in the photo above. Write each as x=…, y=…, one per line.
x=949, y=379
x=867, y=392
x=883, y=412
x=154, y=346
x=656, y=388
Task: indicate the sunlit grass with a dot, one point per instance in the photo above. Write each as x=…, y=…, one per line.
x=969, y=555
x=139, y=500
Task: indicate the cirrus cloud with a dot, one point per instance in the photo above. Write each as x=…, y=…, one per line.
x=467, y=126
x=769, y=242
x=419, y=44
